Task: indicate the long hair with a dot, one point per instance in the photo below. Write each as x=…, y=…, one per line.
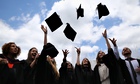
x=98, y=59
x=71, y=65
x=54, y=67
x=6, y=49
x=29, y=58
x=89, y=64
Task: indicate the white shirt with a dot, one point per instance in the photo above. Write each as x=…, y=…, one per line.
x=104, y=74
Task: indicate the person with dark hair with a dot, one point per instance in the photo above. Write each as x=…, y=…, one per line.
x=130, y=66
x=107, y=69
x=83, y=71
x=11, y=71
x=67, y=71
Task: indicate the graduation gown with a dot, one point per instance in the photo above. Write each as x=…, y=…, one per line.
x=84, y=75
x=66, y=76
x=13, y=75
x=29, y=74
x=115, y=73
x=125, y=71
x=44, y=71
x=124, y=68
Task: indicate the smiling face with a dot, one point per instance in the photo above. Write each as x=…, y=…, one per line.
x=33, y=52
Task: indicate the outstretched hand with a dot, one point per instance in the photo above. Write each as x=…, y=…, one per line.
x=78, y=50
x=104, y=34
x=44, y=29
x=65, y=53
x=113, y=41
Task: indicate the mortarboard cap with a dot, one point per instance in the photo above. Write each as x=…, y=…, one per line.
x=51, y=50
x=69, y=32
x=80, y=12
x=54, y=22
x=102, y=10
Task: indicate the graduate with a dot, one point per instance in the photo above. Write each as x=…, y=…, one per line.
x=107, y=70
x=46, y=71
x=11, y=69
x=31, y=62
x=67, y=71
x=30, y=67
x=130, y=66
x=84, y=73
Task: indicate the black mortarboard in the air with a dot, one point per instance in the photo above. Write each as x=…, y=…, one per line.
x=80, y=12
x=51, y=50
x=102, y=10
x=54, y=21
x=69, y=32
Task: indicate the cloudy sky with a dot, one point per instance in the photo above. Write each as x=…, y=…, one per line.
x=20, y=22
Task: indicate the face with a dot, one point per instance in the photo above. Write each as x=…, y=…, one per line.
x=126, y=51
x=101, y=54
x=33, y=52
x=13, y=49
x=69, y=65
x=85, y=61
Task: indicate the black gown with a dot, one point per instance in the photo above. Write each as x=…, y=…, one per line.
x=84, y=75
x=29, y=74
x=13, y=75
x=44, y=71
x=125, y=71
x=66, y=76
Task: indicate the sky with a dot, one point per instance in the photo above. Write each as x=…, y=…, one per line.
x=20, y=22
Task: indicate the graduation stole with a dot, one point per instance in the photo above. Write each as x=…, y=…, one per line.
x=10, y=65
x=12, y=62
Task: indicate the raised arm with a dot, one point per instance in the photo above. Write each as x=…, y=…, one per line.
x=65, y=53
x=106, y=39
x=116, y=52
x=44, y=29
x=45, y=42
x=78, y=50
